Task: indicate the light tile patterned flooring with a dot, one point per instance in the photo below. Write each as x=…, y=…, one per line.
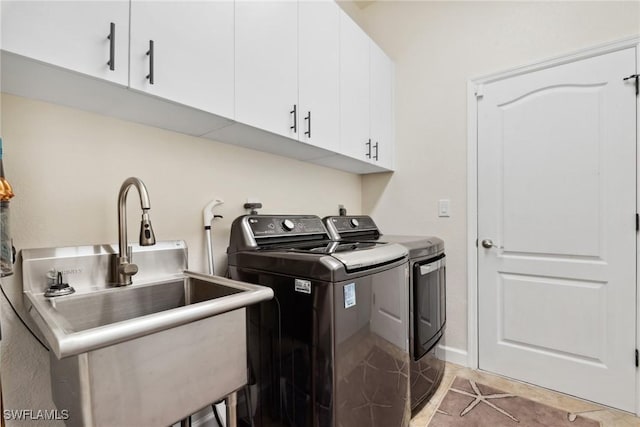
x=608, y=417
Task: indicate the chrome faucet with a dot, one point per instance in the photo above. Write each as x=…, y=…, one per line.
x=124, y=267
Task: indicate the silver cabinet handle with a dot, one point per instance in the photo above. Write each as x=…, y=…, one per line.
x=112, y=46
x=294, y=128
x=151, y=61
x=308, y=120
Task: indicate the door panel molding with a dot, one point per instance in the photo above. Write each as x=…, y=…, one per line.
x=553, y=88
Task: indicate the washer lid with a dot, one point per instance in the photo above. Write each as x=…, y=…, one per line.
x=370, y=257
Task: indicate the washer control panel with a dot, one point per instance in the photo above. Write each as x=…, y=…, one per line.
x=352, y=223
x=285, y=225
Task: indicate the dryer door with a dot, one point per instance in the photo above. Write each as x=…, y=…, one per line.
x=429, y=304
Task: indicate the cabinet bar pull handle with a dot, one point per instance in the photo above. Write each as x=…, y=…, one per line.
x=150, y=55
x=368, y=154
x=308, y=119
x=112, y=46
x=295, y=118
x=376, y=155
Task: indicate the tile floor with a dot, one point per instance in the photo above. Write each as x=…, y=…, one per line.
x=608, y=417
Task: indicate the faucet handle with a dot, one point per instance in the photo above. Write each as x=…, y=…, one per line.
x=123, y=268
x=128, y=269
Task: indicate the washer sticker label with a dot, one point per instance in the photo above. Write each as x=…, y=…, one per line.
x=303, y=286
x=349, y=295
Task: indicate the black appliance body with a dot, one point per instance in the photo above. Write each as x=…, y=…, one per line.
x=331, y=349
x=427, y=297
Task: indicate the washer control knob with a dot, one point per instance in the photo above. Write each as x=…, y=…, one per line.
x=354, y=222
x=288, y=225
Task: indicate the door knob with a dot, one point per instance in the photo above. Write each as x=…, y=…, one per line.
x=488, y=244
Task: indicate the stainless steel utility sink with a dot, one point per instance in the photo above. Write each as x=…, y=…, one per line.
x=82, y=312
x=146, y=354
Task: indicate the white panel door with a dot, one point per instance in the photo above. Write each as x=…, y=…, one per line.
x=192, y=52
x=318, y=55
x=557, y=198
x=354, y=90
x=70, y=34
x=266, y=59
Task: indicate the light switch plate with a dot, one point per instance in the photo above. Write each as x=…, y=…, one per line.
x=444, y=208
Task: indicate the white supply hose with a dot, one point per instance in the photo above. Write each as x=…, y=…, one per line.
x=208, y=217
x=207, y=232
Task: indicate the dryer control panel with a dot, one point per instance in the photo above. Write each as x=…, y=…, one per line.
x=344, y=227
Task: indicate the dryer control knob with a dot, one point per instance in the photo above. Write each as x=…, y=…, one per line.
x=288, y=225
x=354, y=222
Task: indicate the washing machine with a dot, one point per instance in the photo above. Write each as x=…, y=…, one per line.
x=427, y=297
x=332, y=348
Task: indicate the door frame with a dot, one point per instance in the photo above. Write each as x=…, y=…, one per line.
x=474, y=91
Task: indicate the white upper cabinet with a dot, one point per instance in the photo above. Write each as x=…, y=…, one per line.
x=266, y=61
x=354, y=90
x=183, y=52
x=266, y=75
x=91, y=37
x=318, y=73
x=366, y=97
x=381, y=107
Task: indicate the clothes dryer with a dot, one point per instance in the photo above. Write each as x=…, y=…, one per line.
x=427, y=297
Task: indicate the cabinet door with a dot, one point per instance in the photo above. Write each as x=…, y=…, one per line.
x=381, y=107
x=354, y=89
x=318, y=78
x=71, y=34
x=266, y=59
x=192, y=52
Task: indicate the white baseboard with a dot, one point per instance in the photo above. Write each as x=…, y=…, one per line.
x=453, y=355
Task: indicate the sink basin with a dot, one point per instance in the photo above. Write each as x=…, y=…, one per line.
x=145, y=354
x=81, y=312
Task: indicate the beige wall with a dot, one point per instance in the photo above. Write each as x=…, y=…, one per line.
x=437, y=47
x=67, y=166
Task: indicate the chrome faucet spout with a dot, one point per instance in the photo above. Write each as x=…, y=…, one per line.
x=125, y=268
